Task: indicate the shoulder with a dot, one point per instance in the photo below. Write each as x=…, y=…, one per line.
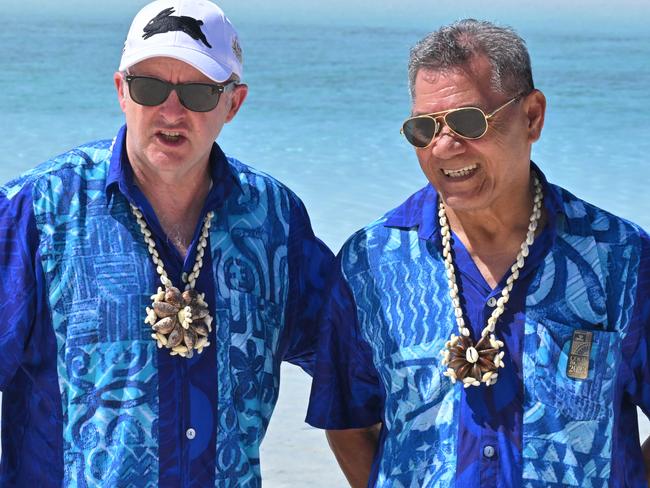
x=254, y=181
x=407, y=221
x=74, y=163
x=369, y=236
x=381, y=242
x=582, y=219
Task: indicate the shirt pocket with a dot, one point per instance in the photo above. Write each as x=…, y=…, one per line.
x=576, y=399
x=414, y=380
x=255, y=328
x=418, y=412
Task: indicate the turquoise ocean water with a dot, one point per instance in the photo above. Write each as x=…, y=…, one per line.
x=327, y=96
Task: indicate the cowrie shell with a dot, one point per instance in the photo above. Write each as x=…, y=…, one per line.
x=471, y=355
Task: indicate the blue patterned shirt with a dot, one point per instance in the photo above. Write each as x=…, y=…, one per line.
x=389, y=315
x=88, y=398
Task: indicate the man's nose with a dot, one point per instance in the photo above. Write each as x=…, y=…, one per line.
x=172, y=108
x=447, y=145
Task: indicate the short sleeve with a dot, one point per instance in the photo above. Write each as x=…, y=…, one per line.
x=18, y=237
x=346, y=392
x=309, y=261
x=636, y=345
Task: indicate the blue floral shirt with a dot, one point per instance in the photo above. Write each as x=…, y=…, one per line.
x=88, y=398
x=389, y=315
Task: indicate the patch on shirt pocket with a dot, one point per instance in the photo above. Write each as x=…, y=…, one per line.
x=580, y=399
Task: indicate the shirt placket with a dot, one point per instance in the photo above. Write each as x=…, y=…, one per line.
x=175, y=403
x=488, y=444
x=176, y=398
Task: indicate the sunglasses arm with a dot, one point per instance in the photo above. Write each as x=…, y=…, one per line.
x=512, y=100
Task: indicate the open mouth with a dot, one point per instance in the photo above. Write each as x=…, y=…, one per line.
x=461, y=172
x=170, y=137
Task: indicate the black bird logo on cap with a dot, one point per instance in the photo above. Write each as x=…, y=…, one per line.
x=165, y=22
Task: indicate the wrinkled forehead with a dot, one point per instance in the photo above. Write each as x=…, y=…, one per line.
x=438, y=91
x=476, y=75
x=477, y=67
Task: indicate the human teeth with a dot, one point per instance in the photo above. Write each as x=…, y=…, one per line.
x=170, y=134
x=456, y=173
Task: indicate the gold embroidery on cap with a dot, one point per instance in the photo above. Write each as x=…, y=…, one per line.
x=236, y=49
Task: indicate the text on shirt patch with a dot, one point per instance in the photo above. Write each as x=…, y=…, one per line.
x=578, y=364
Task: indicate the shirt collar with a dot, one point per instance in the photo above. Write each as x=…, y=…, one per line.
x=421, y=209
x=120, y=174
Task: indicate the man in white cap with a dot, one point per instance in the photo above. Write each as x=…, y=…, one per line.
x=151, y=285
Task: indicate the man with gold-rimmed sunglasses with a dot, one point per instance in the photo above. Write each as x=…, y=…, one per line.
x=465, y=122
x=493, y=330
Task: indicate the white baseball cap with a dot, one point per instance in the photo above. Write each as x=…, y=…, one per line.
x=196, y=32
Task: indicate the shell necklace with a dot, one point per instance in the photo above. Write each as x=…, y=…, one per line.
x=466, y=362
x=180, y=321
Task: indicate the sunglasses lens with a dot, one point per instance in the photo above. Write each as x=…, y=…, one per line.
x=467, y=122
x=419, y=131
x=199, y=97
x=148, y=91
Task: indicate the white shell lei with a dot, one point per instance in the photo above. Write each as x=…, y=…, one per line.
x=466, y=362
x=180, y=321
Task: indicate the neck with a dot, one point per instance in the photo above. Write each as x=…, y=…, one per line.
x=493, y=236
x=177, y=203
x=498, y=223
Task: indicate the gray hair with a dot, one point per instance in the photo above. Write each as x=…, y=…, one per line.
x=455, y=45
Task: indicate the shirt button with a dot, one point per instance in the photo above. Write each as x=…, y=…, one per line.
x=489, y=451
x=492, y=302
x=190, y=433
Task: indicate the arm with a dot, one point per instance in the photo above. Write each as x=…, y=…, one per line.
x=347, y=394
x=354, y=450
x=18, y=283
x=309, y=261
x=636, y=348
x=645, y=448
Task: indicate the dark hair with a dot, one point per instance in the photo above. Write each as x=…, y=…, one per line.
x=455, y=45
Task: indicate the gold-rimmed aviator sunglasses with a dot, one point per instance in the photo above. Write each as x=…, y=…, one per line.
x=466, y=122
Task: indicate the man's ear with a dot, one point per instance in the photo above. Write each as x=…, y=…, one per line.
x=535, y=109
x=237, y=98
x=120, y=86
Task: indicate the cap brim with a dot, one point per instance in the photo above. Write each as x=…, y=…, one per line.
x=205, y=64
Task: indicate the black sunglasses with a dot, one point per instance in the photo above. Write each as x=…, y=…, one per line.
x=466, y=122
x=197, y=97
